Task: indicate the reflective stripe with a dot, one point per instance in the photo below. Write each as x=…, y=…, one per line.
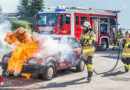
x=89, y=67
x=93, y=38
x=90, y=42
x=127, y=66
x=127, y=44
x=122, y=42
x=126, y=54
x=118, y=39
x=85, y=42
x=86, y=36
x=89, y=50
x=118, y=33
x=114, y=46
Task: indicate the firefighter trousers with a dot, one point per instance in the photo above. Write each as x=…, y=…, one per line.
x=126, y=61
x=89, y=66
x=116, y=46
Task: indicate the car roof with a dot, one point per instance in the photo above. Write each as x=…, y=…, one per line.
x=58, y=36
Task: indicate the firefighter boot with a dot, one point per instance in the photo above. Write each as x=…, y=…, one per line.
x=90, y=73
x=126, y=67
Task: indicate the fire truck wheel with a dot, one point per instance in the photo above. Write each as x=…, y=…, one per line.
x=104, y=44
x=80, y=66
x=50, y=72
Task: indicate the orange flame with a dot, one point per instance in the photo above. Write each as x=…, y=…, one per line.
x=27, y=75
x=25, y=47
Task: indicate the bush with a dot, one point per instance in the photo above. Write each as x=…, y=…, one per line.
x=19, y=23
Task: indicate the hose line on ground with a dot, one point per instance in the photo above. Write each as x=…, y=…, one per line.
x=114, y=65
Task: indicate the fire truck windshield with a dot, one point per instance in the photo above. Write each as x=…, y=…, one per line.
x=48, y=19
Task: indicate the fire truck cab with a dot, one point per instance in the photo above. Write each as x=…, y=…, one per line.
x=69, y=20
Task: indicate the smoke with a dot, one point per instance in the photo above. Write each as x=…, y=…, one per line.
x=56, y=46
x=5, y=27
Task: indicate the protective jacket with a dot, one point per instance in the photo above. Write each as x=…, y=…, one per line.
x=87, y=42
x=119, y=36
x=126, y=48
x=126, y=53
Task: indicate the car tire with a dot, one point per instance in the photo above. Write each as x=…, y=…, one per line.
x=50, y=72
x=80, y=66
x=104, y=45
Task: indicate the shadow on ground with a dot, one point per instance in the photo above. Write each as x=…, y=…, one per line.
x=112, y=74
x=21, y=81
x=65, y=84
x=124, y=79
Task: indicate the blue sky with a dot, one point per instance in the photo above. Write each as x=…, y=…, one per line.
x=123, y=5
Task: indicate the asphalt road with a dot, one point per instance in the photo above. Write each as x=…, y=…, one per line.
x=72, y=80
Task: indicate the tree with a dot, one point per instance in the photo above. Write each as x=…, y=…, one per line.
x=15, y=24
x=23, y=9
x=29, y=8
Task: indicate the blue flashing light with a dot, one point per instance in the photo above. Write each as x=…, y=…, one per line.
x=57, y=10
x=41, y=11
x=116, y=14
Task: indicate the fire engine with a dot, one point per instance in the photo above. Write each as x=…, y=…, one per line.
x=69, y=20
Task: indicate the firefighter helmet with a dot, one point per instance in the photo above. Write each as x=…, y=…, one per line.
x=87, y=24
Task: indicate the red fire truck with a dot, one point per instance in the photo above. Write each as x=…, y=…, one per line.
x=69, y=20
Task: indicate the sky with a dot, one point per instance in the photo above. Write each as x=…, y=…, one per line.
x=122, y=5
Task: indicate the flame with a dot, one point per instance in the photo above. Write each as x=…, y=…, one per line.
x=25, y=47
x=27, y=75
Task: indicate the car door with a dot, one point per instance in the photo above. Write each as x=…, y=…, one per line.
x=64, y=52
x=76, y=51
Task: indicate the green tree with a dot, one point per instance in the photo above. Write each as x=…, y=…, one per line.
x=15, y=24
x=27, y=9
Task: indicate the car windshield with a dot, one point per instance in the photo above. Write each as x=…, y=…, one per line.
x=48, y=19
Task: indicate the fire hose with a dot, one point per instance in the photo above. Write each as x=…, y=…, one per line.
x=119, y=51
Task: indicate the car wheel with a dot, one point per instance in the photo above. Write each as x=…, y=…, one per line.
x=104, y=45
x=50, y=72
x=80, y=66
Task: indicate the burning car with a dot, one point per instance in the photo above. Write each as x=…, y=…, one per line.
x=47, y=62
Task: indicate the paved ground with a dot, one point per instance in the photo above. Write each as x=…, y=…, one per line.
x=71, y=80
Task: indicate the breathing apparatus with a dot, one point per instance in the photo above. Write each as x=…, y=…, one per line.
x=86, y=27
x=118, y=57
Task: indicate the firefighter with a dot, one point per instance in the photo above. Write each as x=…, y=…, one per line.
x=126, y=51
x=87, y=41
x=114, y=39
x=119, y=36
x=114, y=43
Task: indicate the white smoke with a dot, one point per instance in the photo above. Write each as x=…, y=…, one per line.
x=5, y=27
x=53, y=46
